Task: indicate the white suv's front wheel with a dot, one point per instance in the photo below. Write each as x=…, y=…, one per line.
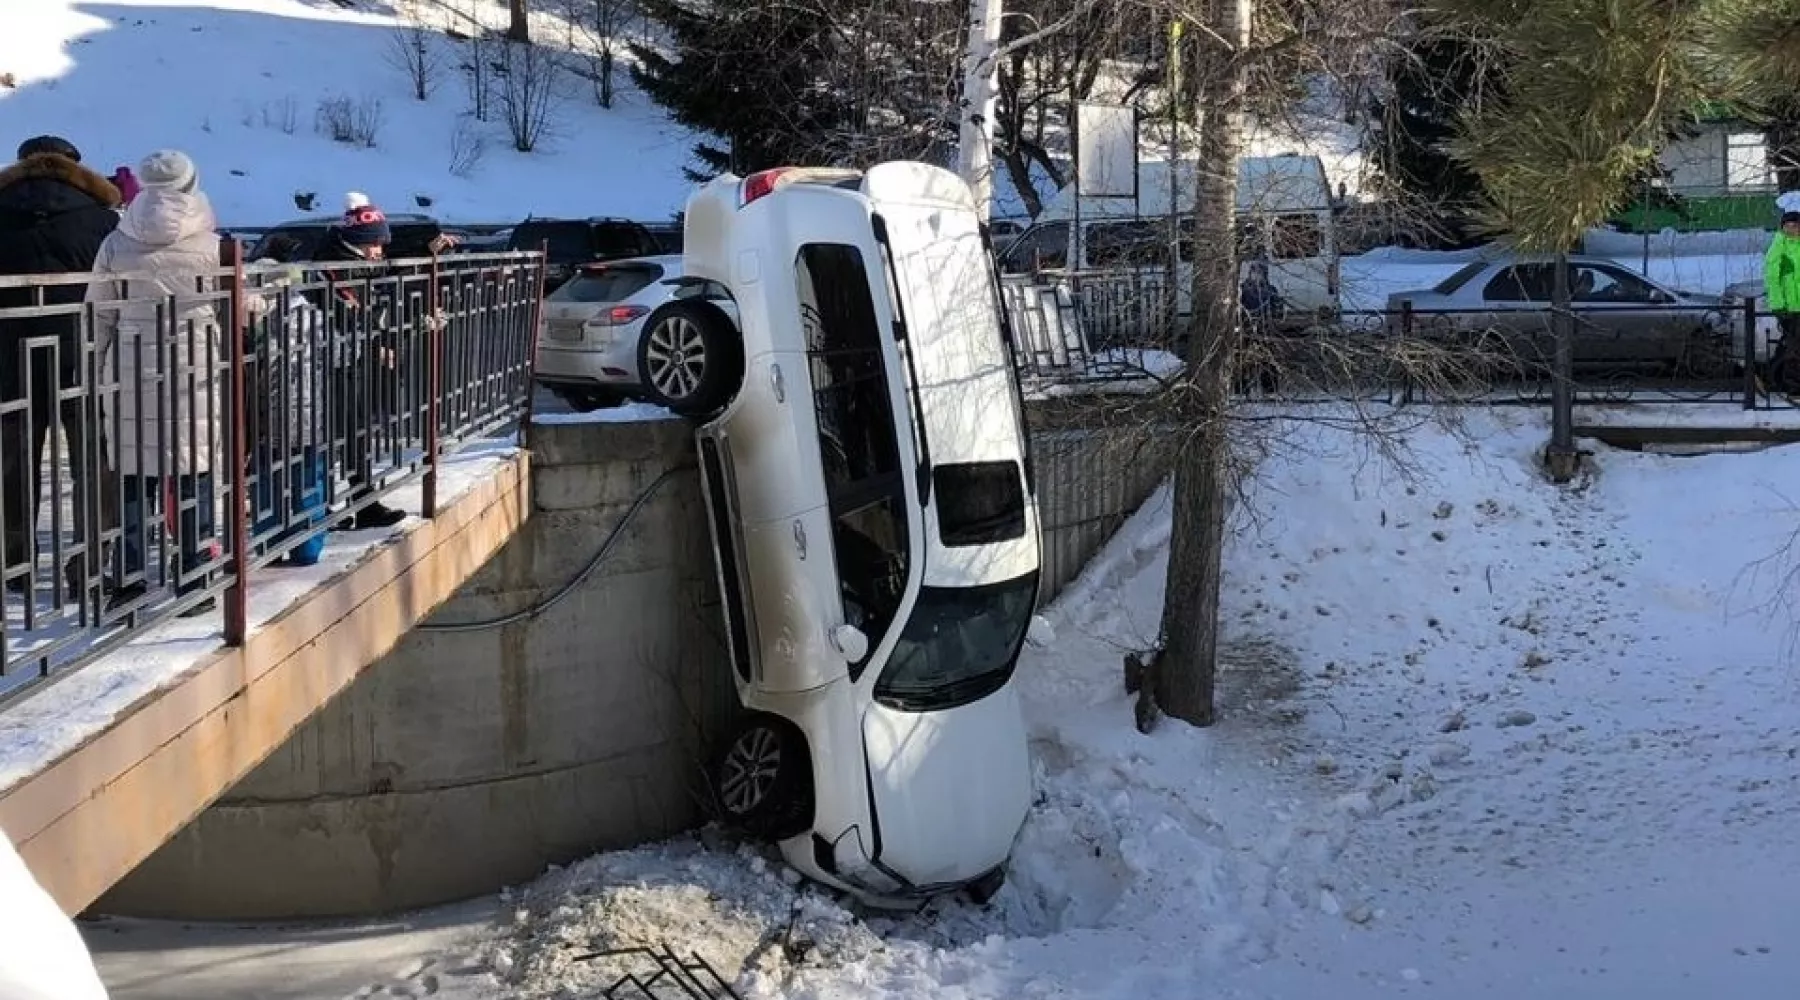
x=690, y=358
x=763, y=779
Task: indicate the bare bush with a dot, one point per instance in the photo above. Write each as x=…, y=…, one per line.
x=351, y=121
x=529, y=86
x=282, y=115
x=468, y=146
x=594, y=27
x=413, y=50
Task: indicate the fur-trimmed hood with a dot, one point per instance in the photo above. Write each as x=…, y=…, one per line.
x=64, y=171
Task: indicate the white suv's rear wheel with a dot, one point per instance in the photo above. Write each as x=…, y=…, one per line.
x=763, y=779
x=690, y=358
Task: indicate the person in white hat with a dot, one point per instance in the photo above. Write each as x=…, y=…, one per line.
x=169, y=233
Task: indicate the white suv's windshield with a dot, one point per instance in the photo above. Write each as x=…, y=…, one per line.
x=959, y=645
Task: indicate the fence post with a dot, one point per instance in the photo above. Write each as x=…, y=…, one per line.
x=434, y=379
x=1406, y=329
x=237, y=595
x=1750, y=392
x=531, y=342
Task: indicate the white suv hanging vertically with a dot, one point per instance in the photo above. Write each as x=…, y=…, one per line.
x=866, y=473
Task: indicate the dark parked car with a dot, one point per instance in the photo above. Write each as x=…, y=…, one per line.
x=298, y=239
x=1621, y=317
x=668, y=234
x=574, y=242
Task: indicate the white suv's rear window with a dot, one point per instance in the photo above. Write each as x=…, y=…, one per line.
x=614, y=283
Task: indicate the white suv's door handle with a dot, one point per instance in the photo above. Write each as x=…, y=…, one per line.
x=800, y=537
x=777, y=384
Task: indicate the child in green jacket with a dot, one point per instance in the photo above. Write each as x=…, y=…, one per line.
x=1781, y=283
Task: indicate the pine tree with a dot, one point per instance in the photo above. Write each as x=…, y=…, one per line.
x=747, y=72
x=1756, y=42
x=1430, y=83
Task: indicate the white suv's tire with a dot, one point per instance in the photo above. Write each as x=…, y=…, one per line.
x=691, y=358
x=762, y=779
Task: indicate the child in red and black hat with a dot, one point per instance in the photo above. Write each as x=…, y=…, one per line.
x=363, y=235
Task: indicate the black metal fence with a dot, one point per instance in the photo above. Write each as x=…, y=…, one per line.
x=165, y=437
x=1112, y=327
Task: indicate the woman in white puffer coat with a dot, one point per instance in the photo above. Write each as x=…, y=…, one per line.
x=167, y=435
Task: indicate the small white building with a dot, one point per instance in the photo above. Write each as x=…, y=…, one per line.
x=1721, y=158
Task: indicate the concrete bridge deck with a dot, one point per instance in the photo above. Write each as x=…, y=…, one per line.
x=100, y=767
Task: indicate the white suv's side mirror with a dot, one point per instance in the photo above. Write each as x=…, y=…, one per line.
x=850, y=642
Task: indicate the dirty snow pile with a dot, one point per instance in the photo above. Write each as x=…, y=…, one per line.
x=1481, y=737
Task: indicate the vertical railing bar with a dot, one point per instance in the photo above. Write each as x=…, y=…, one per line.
x=433, y=382
x=527, y=411
x=237, y=595
x=58, y=447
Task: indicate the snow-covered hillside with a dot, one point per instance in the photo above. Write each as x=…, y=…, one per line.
x=238, y=84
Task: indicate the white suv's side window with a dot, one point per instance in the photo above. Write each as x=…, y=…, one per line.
x=858, y=440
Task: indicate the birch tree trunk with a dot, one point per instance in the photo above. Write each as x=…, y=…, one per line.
x=980, y=98
x=1183, y=679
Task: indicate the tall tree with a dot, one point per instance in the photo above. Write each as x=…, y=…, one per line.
x=518, y=26
x=1183, y=681
x=745, y=72
x=805, y=81
x=1433, y=78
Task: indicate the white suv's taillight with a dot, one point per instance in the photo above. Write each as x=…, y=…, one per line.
x=761, y=183
x=619, y=316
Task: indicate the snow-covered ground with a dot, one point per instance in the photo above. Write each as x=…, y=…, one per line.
x=238, y=84
x=1481, y=737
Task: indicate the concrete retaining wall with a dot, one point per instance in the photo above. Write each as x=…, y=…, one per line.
x=467, y=761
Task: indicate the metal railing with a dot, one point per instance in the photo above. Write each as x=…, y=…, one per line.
x=164, y=438
x=1108, y=327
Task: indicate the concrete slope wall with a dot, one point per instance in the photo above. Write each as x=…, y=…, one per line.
x=471, y=760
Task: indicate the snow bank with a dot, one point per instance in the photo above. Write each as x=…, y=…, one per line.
x=1669, y=243
x=625, y=413
x=42, y=957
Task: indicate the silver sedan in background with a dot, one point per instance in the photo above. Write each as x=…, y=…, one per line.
x=1622, y=319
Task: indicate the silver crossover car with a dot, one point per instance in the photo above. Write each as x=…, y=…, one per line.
x=621, y=330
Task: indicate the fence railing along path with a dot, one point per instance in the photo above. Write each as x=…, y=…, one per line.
x=1114, y=327
x=162, y=442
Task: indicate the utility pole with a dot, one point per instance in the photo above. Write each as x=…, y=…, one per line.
x=980, y=98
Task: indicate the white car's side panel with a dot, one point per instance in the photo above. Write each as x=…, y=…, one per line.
x=795, y=586
x=951, y=788
x=772, y=428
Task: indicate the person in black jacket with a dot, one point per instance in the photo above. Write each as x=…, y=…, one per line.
x=365, y=355
x=54, y=214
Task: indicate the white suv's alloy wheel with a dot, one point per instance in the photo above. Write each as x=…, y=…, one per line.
x=749, y=770
x=677, y=357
